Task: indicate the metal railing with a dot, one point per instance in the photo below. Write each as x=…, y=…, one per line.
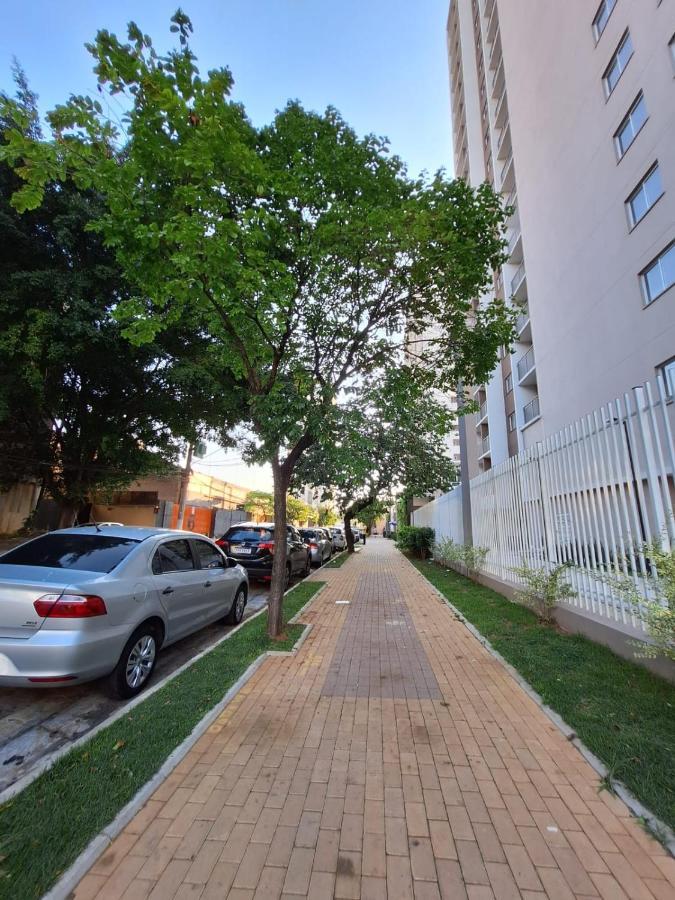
x=531, y=411
x=485, y=445
x=522, y=320
x=482, y=412
x=505, y=167
x=512, y=242
x=518, y=277
x=525, y=364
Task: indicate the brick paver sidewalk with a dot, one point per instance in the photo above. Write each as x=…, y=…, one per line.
x=391, y=757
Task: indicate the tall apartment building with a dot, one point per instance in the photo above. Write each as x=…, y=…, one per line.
x=568, y=109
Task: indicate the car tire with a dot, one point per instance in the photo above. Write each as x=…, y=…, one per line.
x=136, y=663
x=236, y=614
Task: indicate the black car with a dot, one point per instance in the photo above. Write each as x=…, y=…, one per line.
x=252, y=545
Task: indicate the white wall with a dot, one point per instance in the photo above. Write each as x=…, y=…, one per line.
x=444, y=515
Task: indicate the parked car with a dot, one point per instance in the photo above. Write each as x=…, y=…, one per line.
x=81, y=603
x=356, y=534
x=320, y=545
x=252, y=545
x=339, y=540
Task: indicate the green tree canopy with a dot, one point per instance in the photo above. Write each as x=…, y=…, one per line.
x=303, y=250
x=259, y=505
x=81, y=408
x=397, y=438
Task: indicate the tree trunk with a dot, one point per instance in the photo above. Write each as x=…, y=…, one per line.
x=67, y=515
x=275, y=620
x=349, y=537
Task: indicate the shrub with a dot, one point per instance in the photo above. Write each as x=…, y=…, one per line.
x=657, y=608
x=544, y=588
x=446, y=551
x=415, y=540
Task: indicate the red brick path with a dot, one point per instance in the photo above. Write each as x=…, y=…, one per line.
x=391, y=757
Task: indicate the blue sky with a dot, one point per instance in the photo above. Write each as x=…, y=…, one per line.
x=382, y=63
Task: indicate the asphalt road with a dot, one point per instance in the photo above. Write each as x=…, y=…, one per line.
x=35, y=723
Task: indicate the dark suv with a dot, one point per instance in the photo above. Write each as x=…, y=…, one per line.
x=252, y=545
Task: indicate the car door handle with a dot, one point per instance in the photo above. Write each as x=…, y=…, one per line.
x=168, y=590
x=207, y=584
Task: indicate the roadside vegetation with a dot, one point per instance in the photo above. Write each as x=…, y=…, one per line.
x=338, y=560
x=45, y=827
x=622, y=712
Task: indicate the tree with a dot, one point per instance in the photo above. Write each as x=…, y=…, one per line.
x=397, y=430
x=297, y=510
x=82, y=410
x=259, y=505
x=303, y=250
x=327, y=516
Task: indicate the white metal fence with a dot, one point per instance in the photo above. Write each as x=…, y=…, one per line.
x=592, y=495
x=444, y=515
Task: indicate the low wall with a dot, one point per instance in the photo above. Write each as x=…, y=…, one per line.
x=616, y=636
x=16, y=505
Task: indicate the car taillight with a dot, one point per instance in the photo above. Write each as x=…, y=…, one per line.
x=313, y=546
x=267, y=545
x=69, y=606
x=221, y=542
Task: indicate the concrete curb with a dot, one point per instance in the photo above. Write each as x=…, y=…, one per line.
x=658, y=829
x=64, y=887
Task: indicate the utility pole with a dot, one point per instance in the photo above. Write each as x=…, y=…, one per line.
x=184, y=480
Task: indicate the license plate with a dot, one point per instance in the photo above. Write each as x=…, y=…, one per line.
x=242, y=551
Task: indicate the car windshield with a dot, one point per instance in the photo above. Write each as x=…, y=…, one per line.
x=82, y=552
x=308, y=533
x=250, y=534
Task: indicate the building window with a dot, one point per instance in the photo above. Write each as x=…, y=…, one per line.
x=508, y=383
x=602, y=17
x=659, y=274
x=631, y=125
x=618, y=63
x=511, y=421
x=667, y=371
x=644, y=196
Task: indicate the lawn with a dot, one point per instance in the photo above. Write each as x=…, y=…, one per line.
x=338, y=560
x=46, y=826
x=621, y=712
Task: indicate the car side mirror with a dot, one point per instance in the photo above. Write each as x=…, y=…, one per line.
x=231, y=563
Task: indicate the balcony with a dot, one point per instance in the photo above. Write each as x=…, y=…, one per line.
x=504, y=144
x=502, y=112
x=531, y=412
x=498, y=81
x=496, y=53
x=508, y=176
x=484, y=447
x=477, y=389
x=482, y=414
x=515, y=248
x=524, y=328
x=526, y=369
x=518, y=283
x=493, y=20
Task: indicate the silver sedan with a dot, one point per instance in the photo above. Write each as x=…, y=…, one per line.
x=82, y=603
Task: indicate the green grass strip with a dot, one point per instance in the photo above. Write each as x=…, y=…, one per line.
x=338, y=561
x=621, y=711
x=45, y=827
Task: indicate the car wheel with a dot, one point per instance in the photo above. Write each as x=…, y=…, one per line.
x=136, y=663
x=236, y=614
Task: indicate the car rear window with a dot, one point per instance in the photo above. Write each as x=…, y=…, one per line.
x=82, y=552
x=308, y=533
x=249, y=534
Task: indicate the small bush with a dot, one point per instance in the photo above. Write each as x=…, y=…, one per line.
x=415, y=540
x=446, y=551
x=543, y=589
